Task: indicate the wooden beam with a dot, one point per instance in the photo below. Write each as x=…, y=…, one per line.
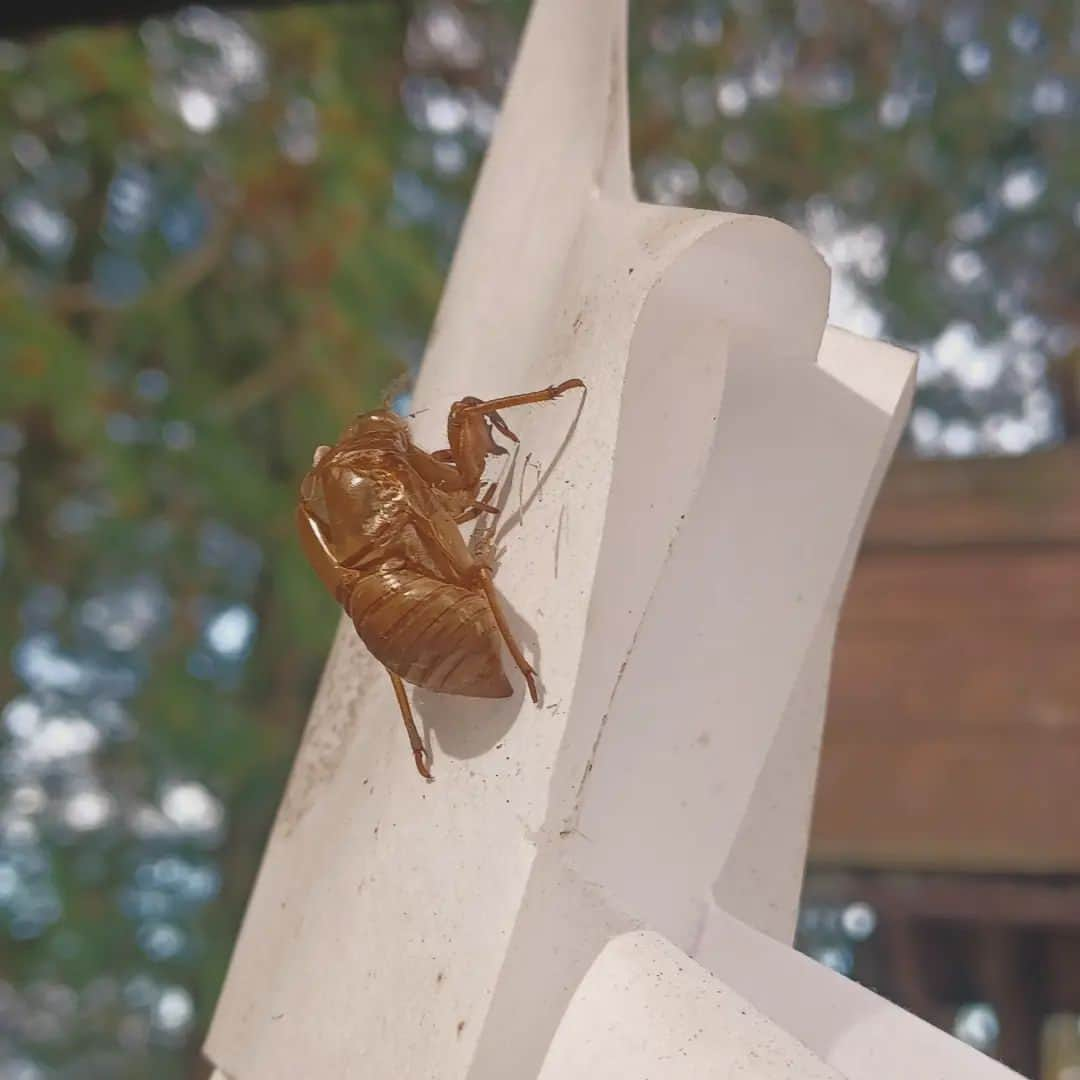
x=1034, y=903
x=1033, y=499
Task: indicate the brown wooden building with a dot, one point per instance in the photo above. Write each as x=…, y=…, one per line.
x=949, y=794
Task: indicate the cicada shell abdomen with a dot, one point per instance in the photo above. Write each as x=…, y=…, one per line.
x=429, y=632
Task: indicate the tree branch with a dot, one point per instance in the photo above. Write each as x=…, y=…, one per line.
x=24, y=20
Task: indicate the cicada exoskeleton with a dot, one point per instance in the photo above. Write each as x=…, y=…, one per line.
x=380, y=519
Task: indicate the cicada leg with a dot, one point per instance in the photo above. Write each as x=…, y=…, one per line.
x=481, y=506
x=417, y=744
x=491, y=408
x=526, y=669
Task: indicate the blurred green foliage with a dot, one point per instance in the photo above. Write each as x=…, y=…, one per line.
x=270, y=330
x=221, y=236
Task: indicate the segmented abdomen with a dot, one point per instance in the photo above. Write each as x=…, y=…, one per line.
x=431, y=633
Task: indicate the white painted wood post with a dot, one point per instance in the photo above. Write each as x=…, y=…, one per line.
x=606, y=885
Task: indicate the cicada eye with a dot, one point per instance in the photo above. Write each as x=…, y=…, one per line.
x=320, y=453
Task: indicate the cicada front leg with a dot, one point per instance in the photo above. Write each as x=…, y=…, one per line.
x=469, y=428
x=491, y=407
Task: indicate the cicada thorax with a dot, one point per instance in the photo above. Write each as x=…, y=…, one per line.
x=428, y=631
